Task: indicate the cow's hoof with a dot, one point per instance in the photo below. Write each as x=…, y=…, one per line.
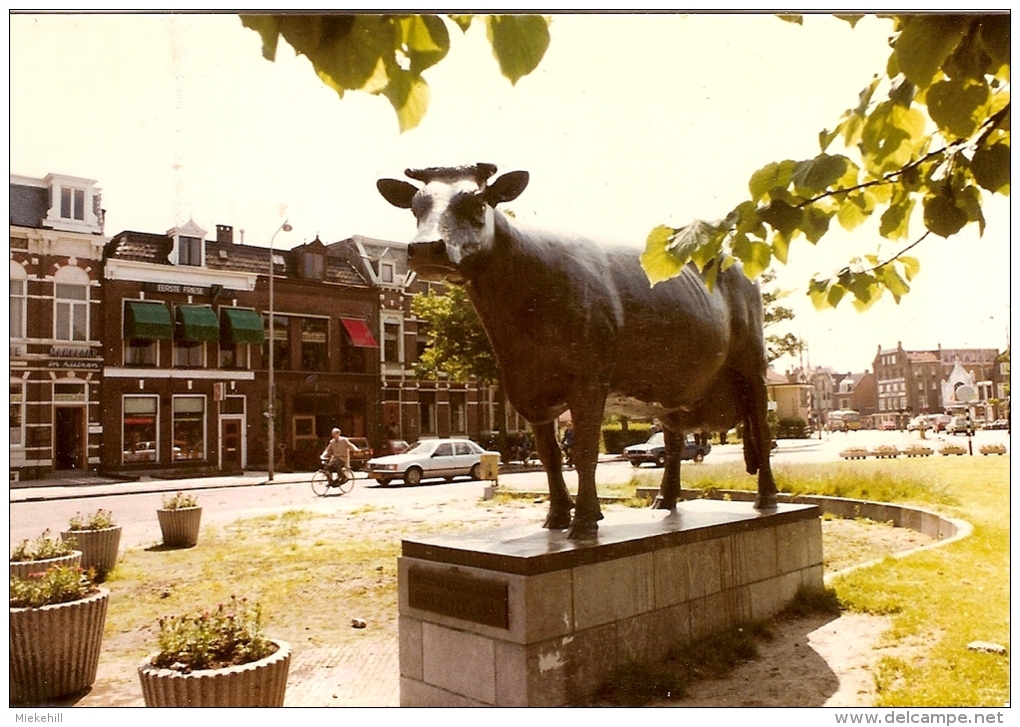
x=557, y=519
x=582, y=530
x=766, y=502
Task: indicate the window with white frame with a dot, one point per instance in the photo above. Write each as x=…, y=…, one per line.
x=189, y=427
x=18, y=298
x=386, y=273
x=71, y=304
x=458, y=412
x=139, y=428
x=72, y=203
x=17, y=414
x=391, y=342
x=189, y=251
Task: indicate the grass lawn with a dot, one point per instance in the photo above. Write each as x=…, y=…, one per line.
x=942, y=599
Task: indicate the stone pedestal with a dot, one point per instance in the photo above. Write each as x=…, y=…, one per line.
x=526, y=617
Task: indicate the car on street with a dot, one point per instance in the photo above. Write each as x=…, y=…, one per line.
x=391, y=446
x=919, y=422
x=654, y=450
x=428, y=459
x=887, y=426
x=364, y=453
x=998, y=424
x=960, y=425
x=939, y=422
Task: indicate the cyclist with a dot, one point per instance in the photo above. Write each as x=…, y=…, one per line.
x=337, y=456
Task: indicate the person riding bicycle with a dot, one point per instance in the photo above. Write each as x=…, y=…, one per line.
x=337, y=456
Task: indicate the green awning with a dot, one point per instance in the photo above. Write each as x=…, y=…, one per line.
x=197, y=323
x=147, y=321
x=239, y=325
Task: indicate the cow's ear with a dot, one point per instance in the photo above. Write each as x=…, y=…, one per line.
x=397, y=192
x=507, y=188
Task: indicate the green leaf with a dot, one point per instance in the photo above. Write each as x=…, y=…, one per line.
x=942, y=216
x=658, y=262
x=781, y=247
x=425, y=40
x=890, y=136
x=267, y=27
x=409, y=96
x=815, y=223
x=776, y=174
x=463, y=21
x=893, y=282
x=925, y=43
x=994, y=31
x=854, y=210
x=990, y=167
x=755, y=256
x=698, y=242
x=518, y=41
x=783, y=217
x=818, y=291
x=911, y=266
x=816, y=175
x=896, y=219
x=958, y=107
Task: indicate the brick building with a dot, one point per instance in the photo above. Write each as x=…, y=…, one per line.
x=56, y=234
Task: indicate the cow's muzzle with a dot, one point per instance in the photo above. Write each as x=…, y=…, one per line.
x=430, y=259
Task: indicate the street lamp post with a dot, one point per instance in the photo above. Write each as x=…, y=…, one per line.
x=271, y=413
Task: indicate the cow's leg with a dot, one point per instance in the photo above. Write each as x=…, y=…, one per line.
x=560, y=503
x=669, y=490
x=758, y=426
x=587, y=512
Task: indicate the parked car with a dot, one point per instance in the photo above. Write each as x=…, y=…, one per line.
x=364, y=453
x=887, y=426
x=919, y=422
x=960, y=425
x=998, y=424
x=429, y=458
x=654, y=450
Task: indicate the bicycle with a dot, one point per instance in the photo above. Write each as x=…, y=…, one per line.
x=326, y=479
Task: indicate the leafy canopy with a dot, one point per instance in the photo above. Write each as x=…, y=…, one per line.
x=386, y=55
x=932, y=133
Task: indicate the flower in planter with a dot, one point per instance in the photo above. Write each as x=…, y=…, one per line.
x=42, y=548
x=229, y=635
x=179, y=501
x=57, y=584
x=99, y=520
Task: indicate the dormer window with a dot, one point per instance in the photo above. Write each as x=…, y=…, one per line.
x=75, y=204
x=188, y=245
x=313, y=265
x=72, y=204
x=189, y=251
x=386, y=273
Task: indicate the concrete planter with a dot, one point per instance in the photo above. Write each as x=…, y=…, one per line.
x=98, y=547
x=55, y=649
x=261, y=683
x=180, y=526
x=21, y=569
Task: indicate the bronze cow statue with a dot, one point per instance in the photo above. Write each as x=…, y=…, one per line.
x=575, y=325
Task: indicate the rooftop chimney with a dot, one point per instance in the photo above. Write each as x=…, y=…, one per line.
x=225, y=234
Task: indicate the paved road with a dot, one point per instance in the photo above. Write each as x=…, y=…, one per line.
x=225, y=499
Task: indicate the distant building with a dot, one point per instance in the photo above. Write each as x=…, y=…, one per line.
x=56, y=253
x=921, y=382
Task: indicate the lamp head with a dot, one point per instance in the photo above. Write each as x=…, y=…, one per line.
x=286, y=227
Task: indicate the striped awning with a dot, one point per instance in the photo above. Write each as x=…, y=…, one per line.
x=147, y=320
x=197, y=323
x=241, y=325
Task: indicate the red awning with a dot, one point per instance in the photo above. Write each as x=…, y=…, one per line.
x=359, y=333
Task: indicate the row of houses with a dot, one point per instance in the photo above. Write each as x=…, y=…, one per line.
x=901, y=384
x=149, y=352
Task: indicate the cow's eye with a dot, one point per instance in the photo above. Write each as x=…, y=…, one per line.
x=472, y=208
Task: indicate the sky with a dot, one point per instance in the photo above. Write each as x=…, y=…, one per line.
x=629, y=122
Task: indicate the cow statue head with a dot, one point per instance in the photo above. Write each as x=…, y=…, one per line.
x=454, y=208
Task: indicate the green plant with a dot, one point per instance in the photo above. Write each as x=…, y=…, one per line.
x=179, y=501
x=58, y=584
x=231, y=635
x=99, y=520
x=41, y=548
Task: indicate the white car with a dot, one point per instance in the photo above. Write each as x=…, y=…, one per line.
x=429, y=458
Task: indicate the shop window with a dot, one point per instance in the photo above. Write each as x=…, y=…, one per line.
x=280, y=343
x=139, y=424
x=189, y=427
